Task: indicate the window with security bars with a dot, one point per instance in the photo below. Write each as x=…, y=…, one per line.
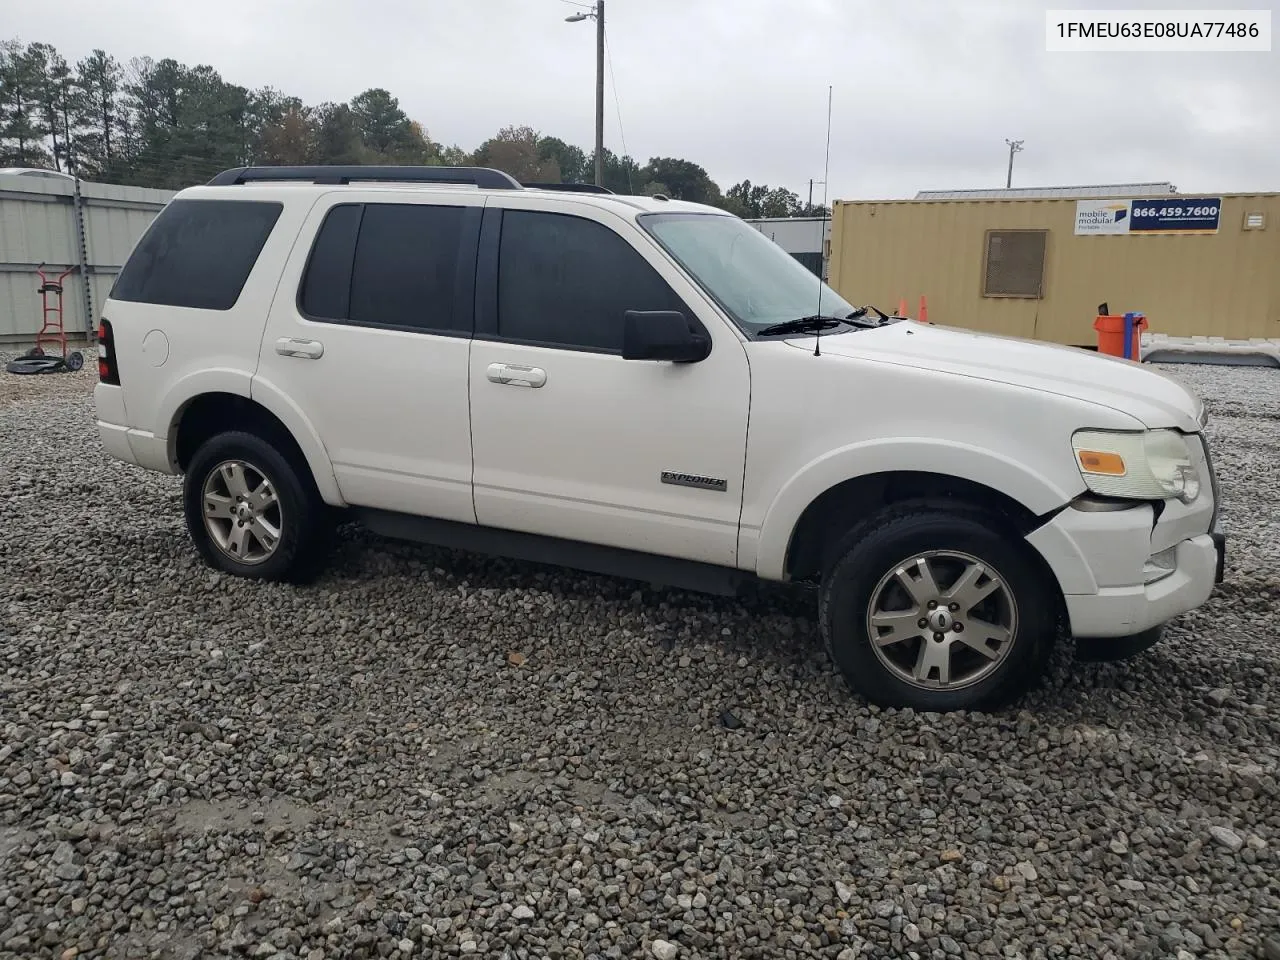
x=1015, y=263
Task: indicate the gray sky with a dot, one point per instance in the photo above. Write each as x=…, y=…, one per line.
x=925, y=91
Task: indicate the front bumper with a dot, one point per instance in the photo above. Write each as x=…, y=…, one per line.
x=1220, y=544
x=1215, y=523
x=1125, y=571
x=1101, y=558
x=1122, y=611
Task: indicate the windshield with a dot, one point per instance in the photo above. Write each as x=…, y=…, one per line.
x=756, y=282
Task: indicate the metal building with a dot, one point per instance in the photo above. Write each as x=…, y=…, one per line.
x=1038, y=267
x=805, y=238
x=40, y=223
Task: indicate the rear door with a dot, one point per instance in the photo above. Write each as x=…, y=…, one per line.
x=369, y=336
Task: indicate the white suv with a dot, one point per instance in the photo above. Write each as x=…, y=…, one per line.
x=647, y=388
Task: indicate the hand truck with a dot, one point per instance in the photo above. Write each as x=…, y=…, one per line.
x=52, y=331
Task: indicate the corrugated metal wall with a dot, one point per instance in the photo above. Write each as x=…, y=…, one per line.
x=1225, y=284
x=38, y=223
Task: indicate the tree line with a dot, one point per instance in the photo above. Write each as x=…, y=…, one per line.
x=161, y=123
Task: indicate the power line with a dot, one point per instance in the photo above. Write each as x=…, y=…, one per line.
x=613, y=82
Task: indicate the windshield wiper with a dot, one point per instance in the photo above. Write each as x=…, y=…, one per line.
x=816, y=323
x=800, y=325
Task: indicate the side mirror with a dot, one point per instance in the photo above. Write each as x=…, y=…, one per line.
x=662, y=335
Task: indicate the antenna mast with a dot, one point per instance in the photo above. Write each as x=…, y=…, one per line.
x=822, y=236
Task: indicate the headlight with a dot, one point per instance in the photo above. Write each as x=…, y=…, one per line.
x=1145, y=465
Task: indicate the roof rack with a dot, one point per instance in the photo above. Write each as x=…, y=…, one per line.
x=568, y=187
x=484, y=177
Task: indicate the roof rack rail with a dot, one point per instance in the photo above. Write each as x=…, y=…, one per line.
x=568, y=187
x=484, y=177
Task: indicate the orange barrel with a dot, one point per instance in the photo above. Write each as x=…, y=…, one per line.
x=1111, y=335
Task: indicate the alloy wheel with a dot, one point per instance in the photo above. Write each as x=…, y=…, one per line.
x=242, y=512
x=942, y=620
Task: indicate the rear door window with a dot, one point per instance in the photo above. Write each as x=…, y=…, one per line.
x=395, y=265
x=326, y=288
x=197, y=253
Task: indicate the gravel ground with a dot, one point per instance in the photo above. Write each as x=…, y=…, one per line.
x=431, y=754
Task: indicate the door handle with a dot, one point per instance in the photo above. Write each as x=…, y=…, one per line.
x=307, y=349
x=517, y=374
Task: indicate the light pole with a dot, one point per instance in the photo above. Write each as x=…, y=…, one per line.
x=1014, y=147
x=598, y=16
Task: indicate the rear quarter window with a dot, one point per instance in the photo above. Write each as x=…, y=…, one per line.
x=197, y=253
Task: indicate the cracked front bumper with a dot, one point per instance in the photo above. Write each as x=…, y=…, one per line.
x=1122, y=611
x=1105, y=564
x=1123, y=571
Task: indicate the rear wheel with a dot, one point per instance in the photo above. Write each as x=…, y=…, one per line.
x=254, y=512
x=937, y=608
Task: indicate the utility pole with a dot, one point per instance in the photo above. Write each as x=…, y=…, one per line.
x=596, y=14
x=1014, y=147
x=599, y=93
x=811, y=183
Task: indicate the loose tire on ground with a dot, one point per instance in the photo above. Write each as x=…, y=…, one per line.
x=254, y=512
x=968, y=554
x=31, y=366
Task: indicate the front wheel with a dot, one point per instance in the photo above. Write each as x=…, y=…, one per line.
x=254, y=512
x=937, y=608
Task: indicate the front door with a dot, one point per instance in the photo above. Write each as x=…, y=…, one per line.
x=571, y=440
x=369, y=336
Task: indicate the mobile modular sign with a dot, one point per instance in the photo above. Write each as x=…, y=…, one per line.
x=1162, y=215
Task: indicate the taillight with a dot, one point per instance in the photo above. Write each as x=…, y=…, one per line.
x=107, y=372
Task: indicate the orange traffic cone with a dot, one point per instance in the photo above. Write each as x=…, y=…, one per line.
x=924, y=310
x=902, y=307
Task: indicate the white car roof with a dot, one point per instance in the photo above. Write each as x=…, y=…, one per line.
x=277, y=187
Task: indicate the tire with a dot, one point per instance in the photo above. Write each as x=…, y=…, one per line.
x=281, y=491
x=875, y=563
x=25, y=366
x=36, y=351
x=75, y=360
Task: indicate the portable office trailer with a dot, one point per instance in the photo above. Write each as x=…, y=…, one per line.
x=1195, y=264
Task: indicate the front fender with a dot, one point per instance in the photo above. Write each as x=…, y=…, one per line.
x=1029, y=486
